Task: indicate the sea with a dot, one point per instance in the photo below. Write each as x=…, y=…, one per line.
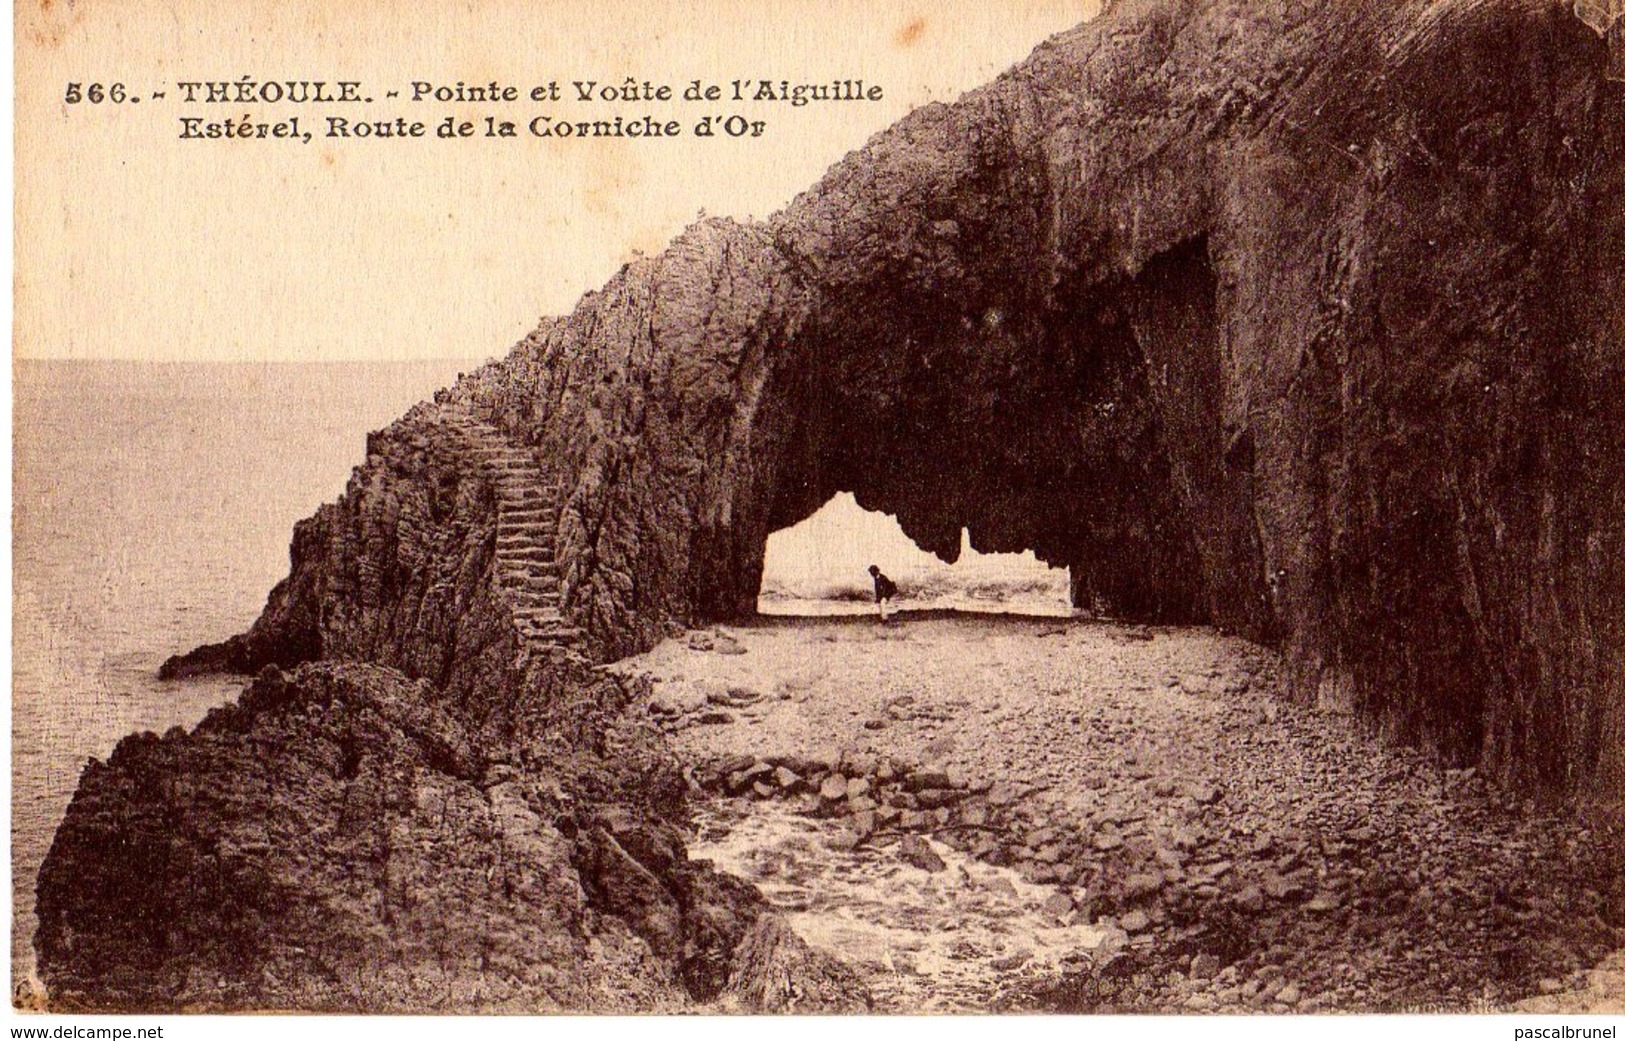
x=152, y=509
x=152, y=505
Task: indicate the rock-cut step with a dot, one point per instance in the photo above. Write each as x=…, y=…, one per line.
x=526, y=556
x=510, y=539
x=541, y=581
x=510, y=581
x=526, y=588
x=528, y=567
x=528, y=524
x=526, y=574
x=531, y=524
x=550, y=622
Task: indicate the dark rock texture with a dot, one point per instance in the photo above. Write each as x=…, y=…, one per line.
x=1301, y=319
x=335, y=842
x=1304, y=320
x=451, y=811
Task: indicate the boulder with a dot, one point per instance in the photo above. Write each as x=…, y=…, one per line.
x=917, y=851
x=833, y=788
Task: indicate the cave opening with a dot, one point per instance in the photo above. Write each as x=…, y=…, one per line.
x=1074, y=439
x=819, y=566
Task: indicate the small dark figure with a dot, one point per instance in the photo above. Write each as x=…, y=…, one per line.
x=885, y=589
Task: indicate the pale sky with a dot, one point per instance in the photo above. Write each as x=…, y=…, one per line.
x=835, y=546
x=132, y=243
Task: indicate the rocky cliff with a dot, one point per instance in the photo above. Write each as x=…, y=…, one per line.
x=335, y=842
x=1299, y=319
x=445, y=808
x=1303, y=320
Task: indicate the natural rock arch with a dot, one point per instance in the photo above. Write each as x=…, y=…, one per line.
x=1301, y=320
x=1247, y=314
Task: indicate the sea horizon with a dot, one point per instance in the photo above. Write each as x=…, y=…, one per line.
x=153, y=503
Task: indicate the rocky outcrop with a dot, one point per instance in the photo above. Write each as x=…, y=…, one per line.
x=776, y=973
x=1303, y=320
x=335, y=842
x=1317, y=343
x=448, y=811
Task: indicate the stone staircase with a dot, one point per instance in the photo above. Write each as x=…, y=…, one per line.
x=526, y=574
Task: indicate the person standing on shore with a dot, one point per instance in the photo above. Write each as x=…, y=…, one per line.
x=885, y=589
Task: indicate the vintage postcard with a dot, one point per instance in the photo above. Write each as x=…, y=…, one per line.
x=822, y=507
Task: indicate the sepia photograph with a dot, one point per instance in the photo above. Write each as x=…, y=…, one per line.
x=819, y=508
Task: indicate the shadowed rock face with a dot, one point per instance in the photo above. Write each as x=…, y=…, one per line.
x=335, y=842
x=443, y=814
x=1303, y=320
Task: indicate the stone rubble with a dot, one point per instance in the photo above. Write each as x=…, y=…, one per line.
x=1292, y=866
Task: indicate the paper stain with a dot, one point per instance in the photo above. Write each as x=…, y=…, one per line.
x=910, y=34
x=51, y=22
